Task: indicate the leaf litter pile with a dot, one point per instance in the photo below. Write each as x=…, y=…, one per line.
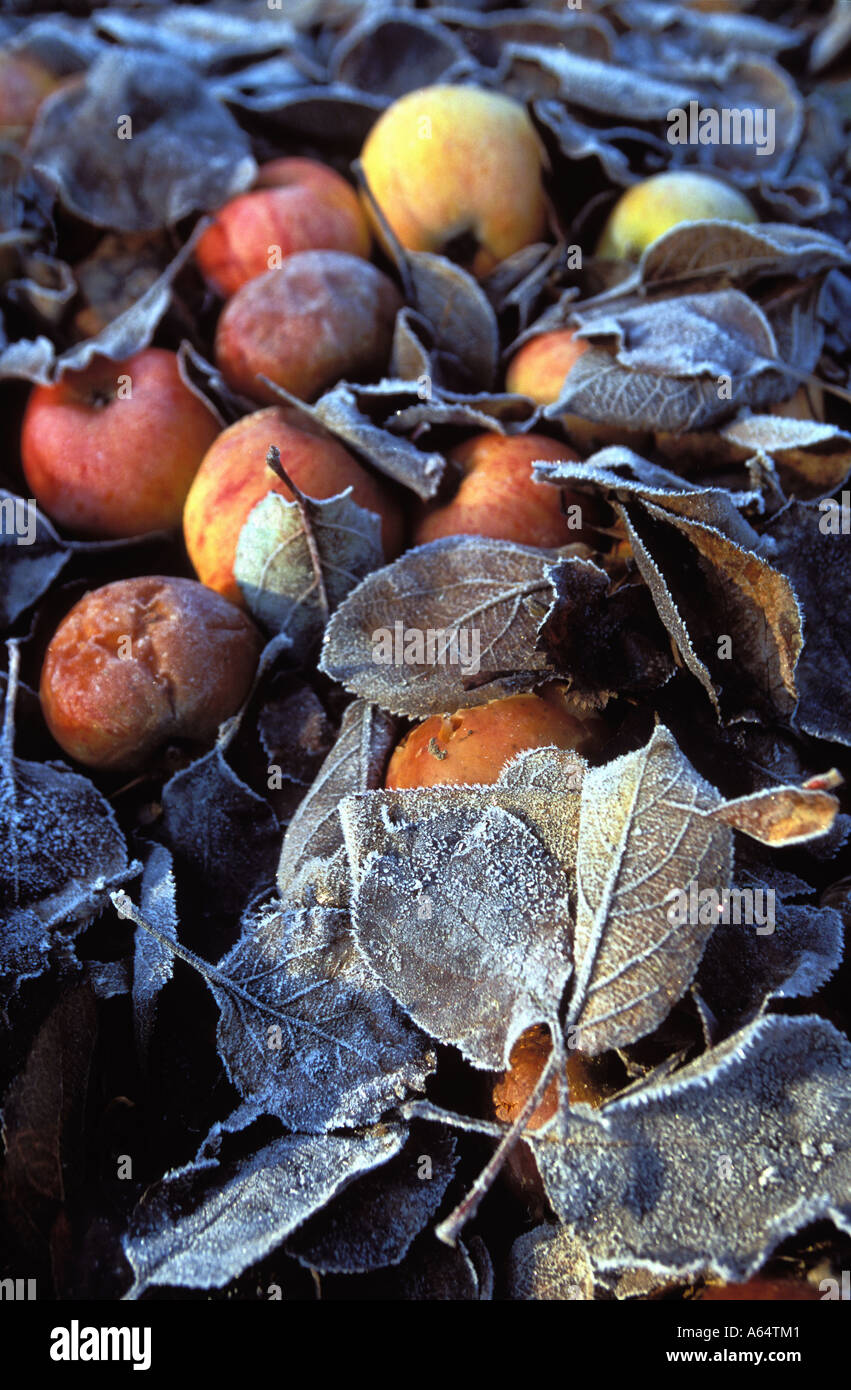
x=252, y=1024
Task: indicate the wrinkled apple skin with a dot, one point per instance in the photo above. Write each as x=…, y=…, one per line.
x=141, y=661
x=450, y=160
x=473, y=745
x=323, y=316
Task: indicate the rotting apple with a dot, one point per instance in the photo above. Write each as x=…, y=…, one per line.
x=473, y=745
x=324, y=315
x=141, y=661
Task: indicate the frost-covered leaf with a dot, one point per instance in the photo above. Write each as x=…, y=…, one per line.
x=548, y=1264
x=666, y=374
x=374, y=1221
x=392, y=455
x=461, y=897
x=721, y=333
x=555, y=770
x=712, y=1168
x=182, y=152
x=313, y=861
x=305, y=1031
x=540, y=787
x=204, y=1224
x=578, y=142
x=734, y=252
x=203, y=38
x=812, y=459
x=32, y=555
x=296, y=561
x=608, y=89
x=61, y=850
x=152, y=964
x=223, y=829
x=781, y=815
x=426, y=633
x=129, y=332
x=642, y=842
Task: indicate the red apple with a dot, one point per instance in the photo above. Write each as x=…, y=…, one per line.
x=112, y=450
x=296, y=205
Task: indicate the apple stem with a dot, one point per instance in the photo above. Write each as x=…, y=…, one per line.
x=448, y=1229
x=303, y=502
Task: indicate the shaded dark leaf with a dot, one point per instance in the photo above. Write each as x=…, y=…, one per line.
x=203, y=1225
x=185, y=151
x=374, y=1221
x=43, y=1114
x=223, y=829
x=32, y=555
x=808, y=545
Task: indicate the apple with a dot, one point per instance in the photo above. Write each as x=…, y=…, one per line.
x=233, y=478
x=657, y=204
x=112, y=450
x=529, y=1056
x=141, y=661
x=24, y=83
x=472, y=746
x=539, y=367
x=451, y=162
x=296, y=205
x=499, y=498
x=324, y=315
